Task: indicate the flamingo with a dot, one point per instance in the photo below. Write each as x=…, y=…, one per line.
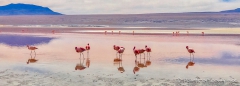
x=136, y=52
x=120, y=51
x=80, y=50
x=88, y=48
x=141, y=51
x=116, y=48
x=32, y=48
x=148, y=49
x=191, y=51
x=53, y=31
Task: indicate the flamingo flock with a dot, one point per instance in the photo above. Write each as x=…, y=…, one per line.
x=120, y=50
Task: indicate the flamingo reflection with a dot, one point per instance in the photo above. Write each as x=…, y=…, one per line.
x=190, y=63
x=119, y=62
x=139, y=64
x=136, y=68
x=32, y=60
x=80, y=65
x=148, y=62
x=88, y=62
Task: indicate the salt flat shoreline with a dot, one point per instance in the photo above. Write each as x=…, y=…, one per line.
x=129, y=31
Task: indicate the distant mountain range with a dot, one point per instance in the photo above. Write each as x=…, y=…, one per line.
x=26, y=9
x=30, y=9
x=231, y=11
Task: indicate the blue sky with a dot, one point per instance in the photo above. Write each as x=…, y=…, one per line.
x=73, y=7
x=228, y=0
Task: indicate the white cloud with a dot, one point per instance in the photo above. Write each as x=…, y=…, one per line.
x=72, y=7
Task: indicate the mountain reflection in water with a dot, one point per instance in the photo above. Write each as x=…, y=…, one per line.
x=20, y=40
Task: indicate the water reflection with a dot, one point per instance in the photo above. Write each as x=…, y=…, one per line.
x=148, y=62
x=225, y=58
x=32, y=60
x=81, y=65
x=23, y=40
x=118, y=61
x=136, y=68
x=141, y=64
x=190, y=63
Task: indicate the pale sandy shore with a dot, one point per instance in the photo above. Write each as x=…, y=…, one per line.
x=217, y=59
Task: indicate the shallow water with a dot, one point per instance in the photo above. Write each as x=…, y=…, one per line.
x=216, y=58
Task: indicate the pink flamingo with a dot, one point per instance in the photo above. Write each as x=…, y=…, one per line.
x=53, y=31
x=191, y=51
x=32, y=48
x=80, y=50
x=148, y=49
x=116, y=48
x=142, y=51
x=136, y=52
x=88, y=47
x=120, y=51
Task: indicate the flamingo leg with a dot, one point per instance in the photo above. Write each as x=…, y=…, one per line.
x=35, y=52
x=31, y=55
x=34, y=56
x=149, y=54
x=193, y=57
x=144, y=55
x=190, y=56
x=140, y=56
x=149, y=58
x=87, y=54
x=121, y=56
x=83, y=55
x=80, y=56
x=116, y=54
x=31, y=52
